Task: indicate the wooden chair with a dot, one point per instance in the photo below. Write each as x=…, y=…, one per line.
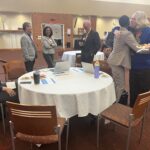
x=36, y=124
x=3, y=61
x=2, y=103
x=104, y=67
x=2, y=115
x=13, y=69
x=78, y=60
x=126, y=116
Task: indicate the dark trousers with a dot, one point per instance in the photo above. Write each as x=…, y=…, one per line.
x=29, y=65
x=87, y=58
x=5, y=97
x=49, y=58
x=139, y=83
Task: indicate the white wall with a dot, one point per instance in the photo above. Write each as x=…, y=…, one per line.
x=105, y=24
x=147, y=2
x=78, y=23
x=80, y=7
x=11, y=21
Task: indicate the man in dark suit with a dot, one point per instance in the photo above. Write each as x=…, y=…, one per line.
x=90, y=43
x=28, y=47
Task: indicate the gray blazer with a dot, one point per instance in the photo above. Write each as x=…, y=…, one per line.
x=28, y=48
x=48, y=45
x=120, y=55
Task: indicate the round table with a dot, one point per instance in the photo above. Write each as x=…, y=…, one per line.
x=73, y=93
x=71, y=56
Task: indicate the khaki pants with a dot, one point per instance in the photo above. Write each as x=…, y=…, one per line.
x=121, y=79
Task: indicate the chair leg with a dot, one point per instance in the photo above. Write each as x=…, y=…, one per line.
x=3, y=119
x=101, y=131
x=98, y=131
x=147, y=108
x=113, y=127
x=31, y=146
x=141, y=131
x=128, y=138
x=12, y=135
x=59, y=142
x=67, y=134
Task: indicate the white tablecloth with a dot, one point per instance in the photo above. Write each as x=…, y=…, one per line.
x=73, y=93
x=71, y=56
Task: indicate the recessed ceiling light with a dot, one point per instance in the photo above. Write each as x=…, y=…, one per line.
x=145, y=2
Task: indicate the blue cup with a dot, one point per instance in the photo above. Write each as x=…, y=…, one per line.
x=96, y=71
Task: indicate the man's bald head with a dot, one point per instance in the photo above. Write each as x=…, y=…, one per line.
x=87, y=25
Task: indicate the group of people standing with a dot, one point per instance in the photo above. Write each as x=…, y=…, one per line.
x=90, y=45
x=30, y=51
x=131, y=70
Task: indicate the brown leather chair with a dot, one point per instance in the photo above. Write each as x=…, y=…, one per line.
x=126, y=116
x=13, y=69
x=36, y=124
x=78, y=60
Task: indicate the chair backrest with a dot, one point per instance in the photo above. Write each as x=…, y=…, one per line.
x=78, y=60
x=104, y=66
x=33, y=120
x=2, y=73
x=13, y=69
x=141, y=104
x=3, y=61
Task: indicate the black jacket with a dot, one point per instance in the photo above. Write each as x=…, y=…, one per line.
x=1, y=86
x=90, y=47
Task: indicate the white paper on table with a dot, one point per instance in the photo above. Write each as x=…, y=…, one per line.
x=11, y=85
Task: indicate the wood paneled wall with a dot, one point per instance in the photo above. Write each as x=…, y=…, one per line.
x=93, y=22
x=39, y=18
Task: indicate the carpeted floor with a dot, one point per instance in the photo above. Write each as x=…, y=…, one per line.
x=82, y=133
x=82, y=136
